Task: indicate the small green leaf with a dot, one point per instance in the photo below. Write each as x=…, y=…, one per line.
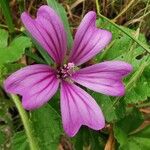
x=3, y=38
x=7, y=69
x=14, y=50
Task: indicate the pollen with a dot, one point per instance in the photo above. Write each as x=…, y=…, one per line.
x=65, y=71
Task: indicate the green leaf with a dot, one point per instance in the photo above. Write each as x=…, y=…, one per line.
x=81, y=139
x=106, y=105
x=7, y=69
x=61, y=12
x=96, y=141
x=14, y=50
x=47, y=127
x=124, y=128
x=124, y=49
x=138, y=141
x=3, y=38
x=86, y=138
x=19, y=141
x=120, y=48
x=140, y=92
x=133, y=117
x=111, y=112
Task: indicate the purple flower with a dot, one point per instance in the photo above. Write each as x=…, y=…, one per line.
x=38, y=83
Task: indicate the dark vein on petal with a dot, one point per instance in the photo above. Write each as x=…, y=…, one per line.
x=24, y=77
x=101, y=84
x=47, y=85
x=79, y=53
x=87, y=106
x=59, y=40
x=54, y=44
x=85, y=52
x=54, y=55
x=75, y=51
x=68, y=104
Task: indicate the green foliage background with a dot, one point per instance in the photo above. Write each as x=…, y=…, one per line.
x=125, y=121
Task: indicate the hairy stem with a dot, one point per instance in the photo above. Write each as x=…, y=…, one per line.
x=27, y=126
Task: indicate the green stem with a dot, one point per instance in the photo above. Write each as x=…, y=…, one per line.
x=124, y=31
x=27, y=126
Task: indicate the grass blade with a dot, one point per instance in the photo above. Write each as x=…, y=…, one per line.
x=7, y=14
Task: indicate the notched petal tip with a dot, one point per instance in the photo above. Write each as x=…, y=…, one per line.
x=26, y=106
x=79, y=108
x=72, y=133
x=108, y=35
x=24, y=16
x=8, y=84
x=45, y=7
x=48, y=30
x=129, y=68
x=120, y=92
x=89, y=40
x=123, y=66
x=90, y=14
x=29, y=106
x=105, y=77
x=35, y=83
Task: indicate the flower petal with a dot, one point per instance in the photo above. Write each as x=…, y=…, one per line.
x=89, y=40
x=104, y=77
x=79, y=108
x=49, y=32
x=36, y=83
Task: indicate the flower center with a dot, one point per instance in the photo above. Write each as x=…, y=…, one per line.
x=65, y=71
